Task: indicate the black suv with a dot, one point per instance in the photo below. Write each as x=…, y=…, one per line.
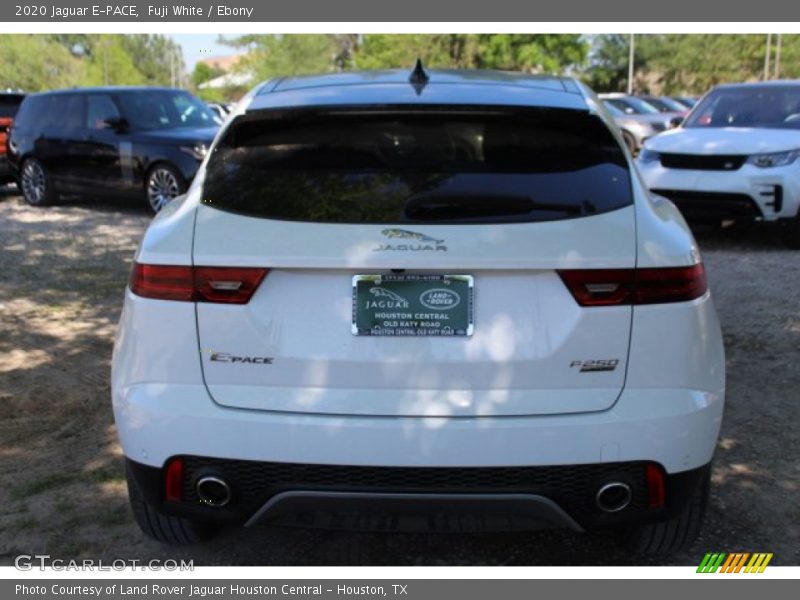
x=133, y=142
x=9, y=104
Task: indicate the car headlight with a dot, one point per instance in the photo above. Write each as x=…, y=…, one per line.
x=648, y=156
x=198, y=150
x=773, y=159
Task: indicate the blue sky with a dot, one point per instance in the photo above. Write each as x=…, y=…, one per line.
x=200, y=46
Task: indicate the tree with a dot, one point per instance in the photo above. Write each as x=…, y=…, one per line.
x=158, y=58
x=36, y=62
x=110, y=63
x=204, y=72
x=546, y=53
x=278, y=55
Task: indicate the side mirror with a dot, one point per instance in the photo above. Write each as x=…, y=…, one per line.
x=675, y=122
x=118, y=124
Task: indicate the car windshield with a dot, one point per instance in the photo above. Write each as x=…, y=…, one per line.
x=757, y=106
x=436, y=165
x=665, y=104
x=165, y=109
x=632, y=105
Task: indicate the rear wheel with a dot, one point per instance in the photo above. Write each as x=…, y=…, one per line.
x=35, y=184
x=165, y=528
x=162, y=185
x=674, y=535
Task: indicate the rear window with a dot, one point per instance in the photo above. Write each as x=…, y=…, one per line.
x=412, y=166
x=37, y=112
x=9, y=104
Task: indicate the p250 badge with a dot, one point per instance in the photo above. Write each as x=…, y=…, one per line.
x=594, y=366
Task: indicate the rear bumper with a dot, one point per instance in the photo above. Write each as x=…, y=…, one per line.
x=419, y=498
x=677, y=428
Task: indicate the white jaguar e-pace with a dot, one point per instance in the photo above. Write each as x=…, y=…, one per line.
x=442, y=300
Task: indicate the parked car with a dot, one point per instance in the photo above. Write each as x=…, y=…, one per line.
x=442, y=295
x=734, y=158
x=220, y=111
x=630, y=105
x=9, y=104
x=665, y=104
x=687, y=101
x=635, y=129
x=141, y=143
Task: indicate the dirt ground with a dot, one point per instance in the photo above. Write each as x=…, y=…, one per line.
x=62, y=275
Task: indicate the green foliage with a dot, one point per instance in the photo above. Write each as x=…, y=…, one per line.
x=203, y=72
x=158, y=58
x=677, y=63
x=35, y=62
x=111, y=64
x=529, y=53
x=273, y=55
x=43, y=62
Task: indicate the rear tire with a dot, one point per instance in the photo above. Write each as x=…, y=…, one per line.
x=163, y=528
x=674, y=535
x=35, y=184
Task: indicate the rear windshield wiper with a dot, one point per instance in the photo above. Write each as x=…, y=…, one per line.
x=447, y=208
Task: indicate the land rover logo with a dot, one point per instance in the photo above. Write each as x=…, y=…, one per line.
x=417, y=242
x=440, y=299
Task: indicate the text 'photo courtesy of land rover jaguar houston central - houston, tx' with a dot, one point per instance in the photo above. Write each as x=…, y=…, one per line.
x=438, y=297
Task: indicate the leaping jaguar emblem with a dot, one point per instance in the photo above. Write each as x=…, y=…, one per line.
x=416, y=242
x=404, y=234
x=384, y=298
x=379, y=291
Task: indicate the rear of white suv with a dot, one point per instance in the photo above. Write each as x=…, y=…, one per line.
x=436, y=301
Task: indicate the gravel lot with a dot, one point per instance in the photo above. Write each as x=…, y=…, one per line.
x=63, y=273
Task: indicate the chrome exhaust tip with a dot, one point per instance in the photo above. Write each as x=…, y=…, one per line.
x=614, y=497
x=213, y=491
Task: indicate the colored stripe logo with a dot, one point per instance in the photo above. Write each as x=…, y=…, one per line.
x=736, y=562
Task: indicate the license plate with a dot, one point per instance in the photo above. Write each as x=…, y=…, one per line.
x=412, y=305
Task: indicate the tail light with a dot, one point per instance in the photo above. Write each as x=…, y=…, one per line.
x=655, y=485
x=612, y=287
x=173, y=481
x=228, y=285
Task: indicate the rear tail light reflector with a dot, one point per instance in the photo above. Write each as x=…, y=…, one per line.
x=173, y=481
x=655, y=485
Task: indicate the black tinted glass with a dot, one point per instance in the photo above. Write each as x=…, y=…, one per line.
x=413, y=166
x=70, y=110
x=9, y=104
x=148, y=110
x=753, y=106
x=100, y=108
x=32, y=112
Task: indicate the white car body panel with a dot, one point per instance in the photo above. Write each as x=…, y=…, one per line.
x=503, y=397
x=756, y=182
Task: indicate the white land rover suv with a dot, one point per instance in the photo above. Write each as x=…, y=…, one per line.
x=736, y=157
x=443, y=300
